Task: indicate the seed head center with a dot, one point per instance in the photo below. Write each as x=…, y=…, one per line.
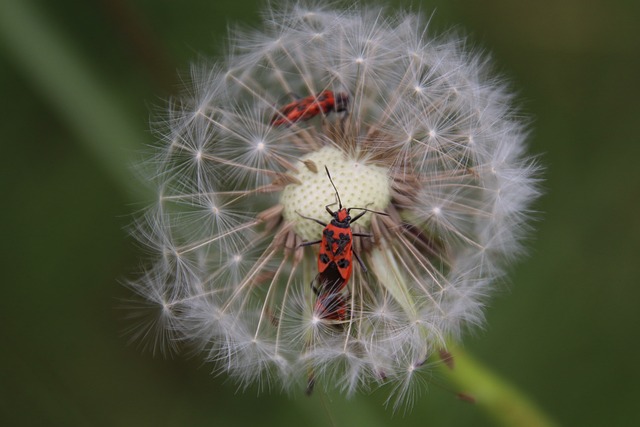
x=359, y=185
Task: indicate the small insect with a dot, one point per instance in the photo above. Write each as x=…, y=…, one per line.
x=336, y=243
x=309, y=107
x=334, y=266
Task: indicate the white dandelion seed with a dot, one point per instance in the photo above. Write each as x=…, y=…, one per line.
x=423, y=133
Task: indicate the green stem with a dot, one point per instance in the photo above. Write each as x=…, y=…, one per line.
x=501, y=400
x=47, y=57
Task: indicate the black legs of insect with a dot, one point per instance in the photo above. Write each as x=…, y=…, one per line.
x=355, y=254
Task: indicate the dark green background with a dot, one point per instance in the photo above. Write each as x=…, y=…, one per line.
x=565, y=330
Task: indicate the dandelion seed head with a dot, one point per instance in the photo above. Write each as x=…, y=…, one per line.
x=417, y=131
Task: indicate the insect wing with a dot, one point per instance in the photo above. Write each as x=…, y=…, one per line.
x=331, y=306
x=330, y=280
x=282, y=116
x=342, y=251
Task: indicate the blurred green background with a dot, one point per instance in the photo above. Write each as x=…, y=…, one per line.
x=565, y=330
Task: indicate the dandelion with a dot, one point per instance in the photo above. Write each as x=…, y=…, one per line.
x=417, y=129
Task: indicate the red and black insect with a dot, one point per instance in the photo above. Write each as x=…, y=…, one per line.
x=334, y=266
x=309, y=107
x=335, y=258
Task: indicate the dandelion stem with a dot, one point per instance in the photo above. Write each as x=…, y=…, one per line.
x=505, y=403
x=69, y=84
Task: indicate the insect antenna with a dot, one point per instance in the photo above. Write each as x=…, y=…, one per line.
x=334, y=186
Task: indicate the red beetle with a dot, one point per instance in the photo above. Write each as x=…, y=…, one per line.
x=335, y=258
x=336, y=242
x=309, y=107
x=334, y=266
